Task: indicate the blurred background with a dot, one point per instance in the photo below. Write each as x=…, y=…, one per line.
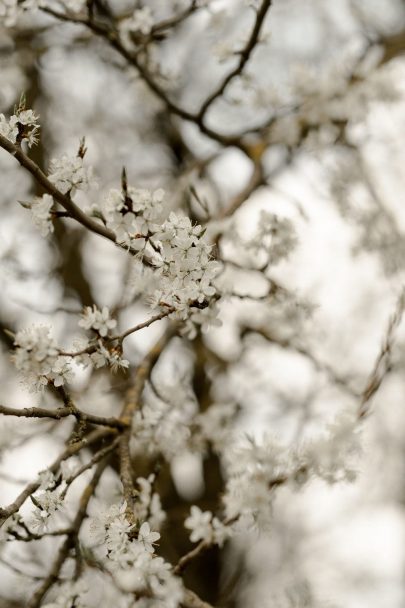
x=326, y=86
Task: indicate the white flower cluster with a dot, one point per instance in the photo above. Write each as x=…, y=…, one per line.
x=47, y=501
x=181, y=257
x=134, y=216
x=21, y=126
x=100, y=353
x=97, y=320
x=128, y=553
x=207, y=528
x=69, y=174
x=37, y=358
x=41, y=213
x=185, y=269
x=255, y=469
x=252, y=469
x=103, y=356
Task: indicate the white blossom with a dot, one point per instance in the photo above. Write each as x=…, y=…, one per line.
x=47, y=502
x=131, y=558
x=199, y=522
x=134, y=217
x=37, y=358
x=21, y=126
x=205, y=527
x=147, y=537
x=97, y=320
x=69, y=174
x=185, y=267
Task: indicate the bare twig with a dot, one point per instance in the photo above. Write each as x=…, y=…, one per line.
x=245, y=55
x=62, y=412
x=383, y=362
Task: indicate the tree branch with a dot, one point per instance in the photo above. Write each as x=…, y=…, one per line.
x=62, y=412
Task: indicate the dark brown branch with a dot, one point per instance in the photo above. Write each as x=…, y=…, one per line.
x=383, y=361
x=111, y=37
x=245, y=55
x=62, y=412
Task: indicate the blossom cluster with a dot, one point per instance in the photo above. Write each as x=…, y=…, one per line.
x=99, y=351
x=97, y=320
x=133, y=215
x=185, y=266
x=38, y=360
x=69, y=174
x=183, y=269
x=48, y=500
x=255, y=468
x=127, y=551
x=41, y=362
x=207, y=528
x=21, y=126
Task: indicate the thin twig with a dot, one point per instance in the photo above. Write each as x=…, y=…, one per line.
x=62, y=412
x=382, y=364
x=245, y=55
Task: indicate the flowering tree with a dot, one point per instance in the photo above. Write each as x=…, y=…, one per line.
x=158, y=286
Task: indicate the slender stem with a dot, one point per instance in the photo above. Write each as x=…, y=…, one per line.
x=62, y=412
x=245, y=55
